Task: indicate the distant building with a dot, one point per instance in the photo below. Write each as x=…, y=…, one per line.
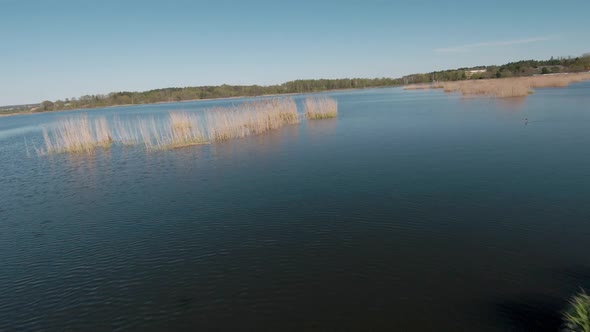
x=472, y=72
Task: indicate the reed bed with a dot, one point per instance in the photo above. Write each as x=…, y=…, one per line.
x=423, y=86
x=185, y=130
x=125, y=133
x=179, y=129
x=499, y=88
x=320, y=108
x=506, y=87
x=77, y=135
x=251, y=118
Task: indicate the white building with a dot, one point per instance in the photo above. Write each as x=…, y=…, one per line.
x=472, y=72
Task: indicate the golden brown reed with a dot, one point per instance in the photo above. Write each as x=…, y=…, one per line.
x=320, y=108
x=251, y=118
x=423, y=86
x=499, y=88
x=185, y=130
x=179, y=129
x=508, y=87
x=77, y=135
x=124, y=132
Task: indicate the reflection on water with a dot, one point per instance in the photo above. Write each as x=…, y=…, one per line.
x=316, y=130
x=258, y=145
x=82, y=172
x=275, y=140
x=511, y=104
x=475, y=102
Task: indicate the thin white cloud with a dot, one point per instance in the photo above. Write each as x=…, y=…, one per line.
x=470, y=47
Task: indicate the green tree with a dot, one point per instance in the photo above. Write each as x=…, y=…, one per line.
x=47, y=106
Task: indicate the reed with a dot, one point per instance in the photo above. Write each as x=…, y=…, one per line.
x=423, y=86
x=577, y=315
x=226, y=123
x=77, y=135
x=251, y=118
x=184, y=129
x=557, y=80
x=320, y=108
x=499, y=88
x=508, y=87
x=145, y=128
x=179, y=129
x=102, y=133
x=125, y=133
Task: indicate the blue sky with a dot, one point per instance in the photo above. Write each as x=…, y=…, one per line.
x=58, y=49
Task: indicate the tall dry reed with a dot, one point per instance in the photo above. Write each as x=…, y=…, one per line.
x=179, y=129
x=423, y=86
x=320, y=108
x=125, y=132
x=77, y=135
x=499, y=88
x=506, y=87
x=251, y=118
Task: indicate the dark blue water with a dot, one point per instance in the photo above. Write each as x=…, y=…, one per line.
x=412, y=211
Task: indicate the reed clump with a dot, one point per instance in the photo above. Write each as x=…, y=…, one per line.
x=320, y=108
x=507, y=87
x=251, y=118
x=185, y=130
x=577, y=314
x=179, y=129
x=499, y=88
x=423, y=86
x=77, y=135
x=125, y=132
x=557, y=80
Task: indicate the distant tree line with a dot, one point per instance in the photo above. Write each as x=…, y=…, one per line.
x=213, y=92
x=513, y=69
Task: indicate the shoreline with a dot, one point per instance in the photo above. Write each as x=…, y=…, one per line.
x=198, y=100
x=504, y=87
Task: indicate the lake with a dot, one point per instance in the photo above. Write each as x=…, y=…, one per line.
x=412, y=211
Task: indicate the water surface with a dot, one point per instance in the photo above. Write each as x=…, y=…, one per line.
x=412, y=211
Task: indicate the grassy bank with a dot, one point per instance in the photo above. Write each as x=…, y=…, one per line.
x=504, y=87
